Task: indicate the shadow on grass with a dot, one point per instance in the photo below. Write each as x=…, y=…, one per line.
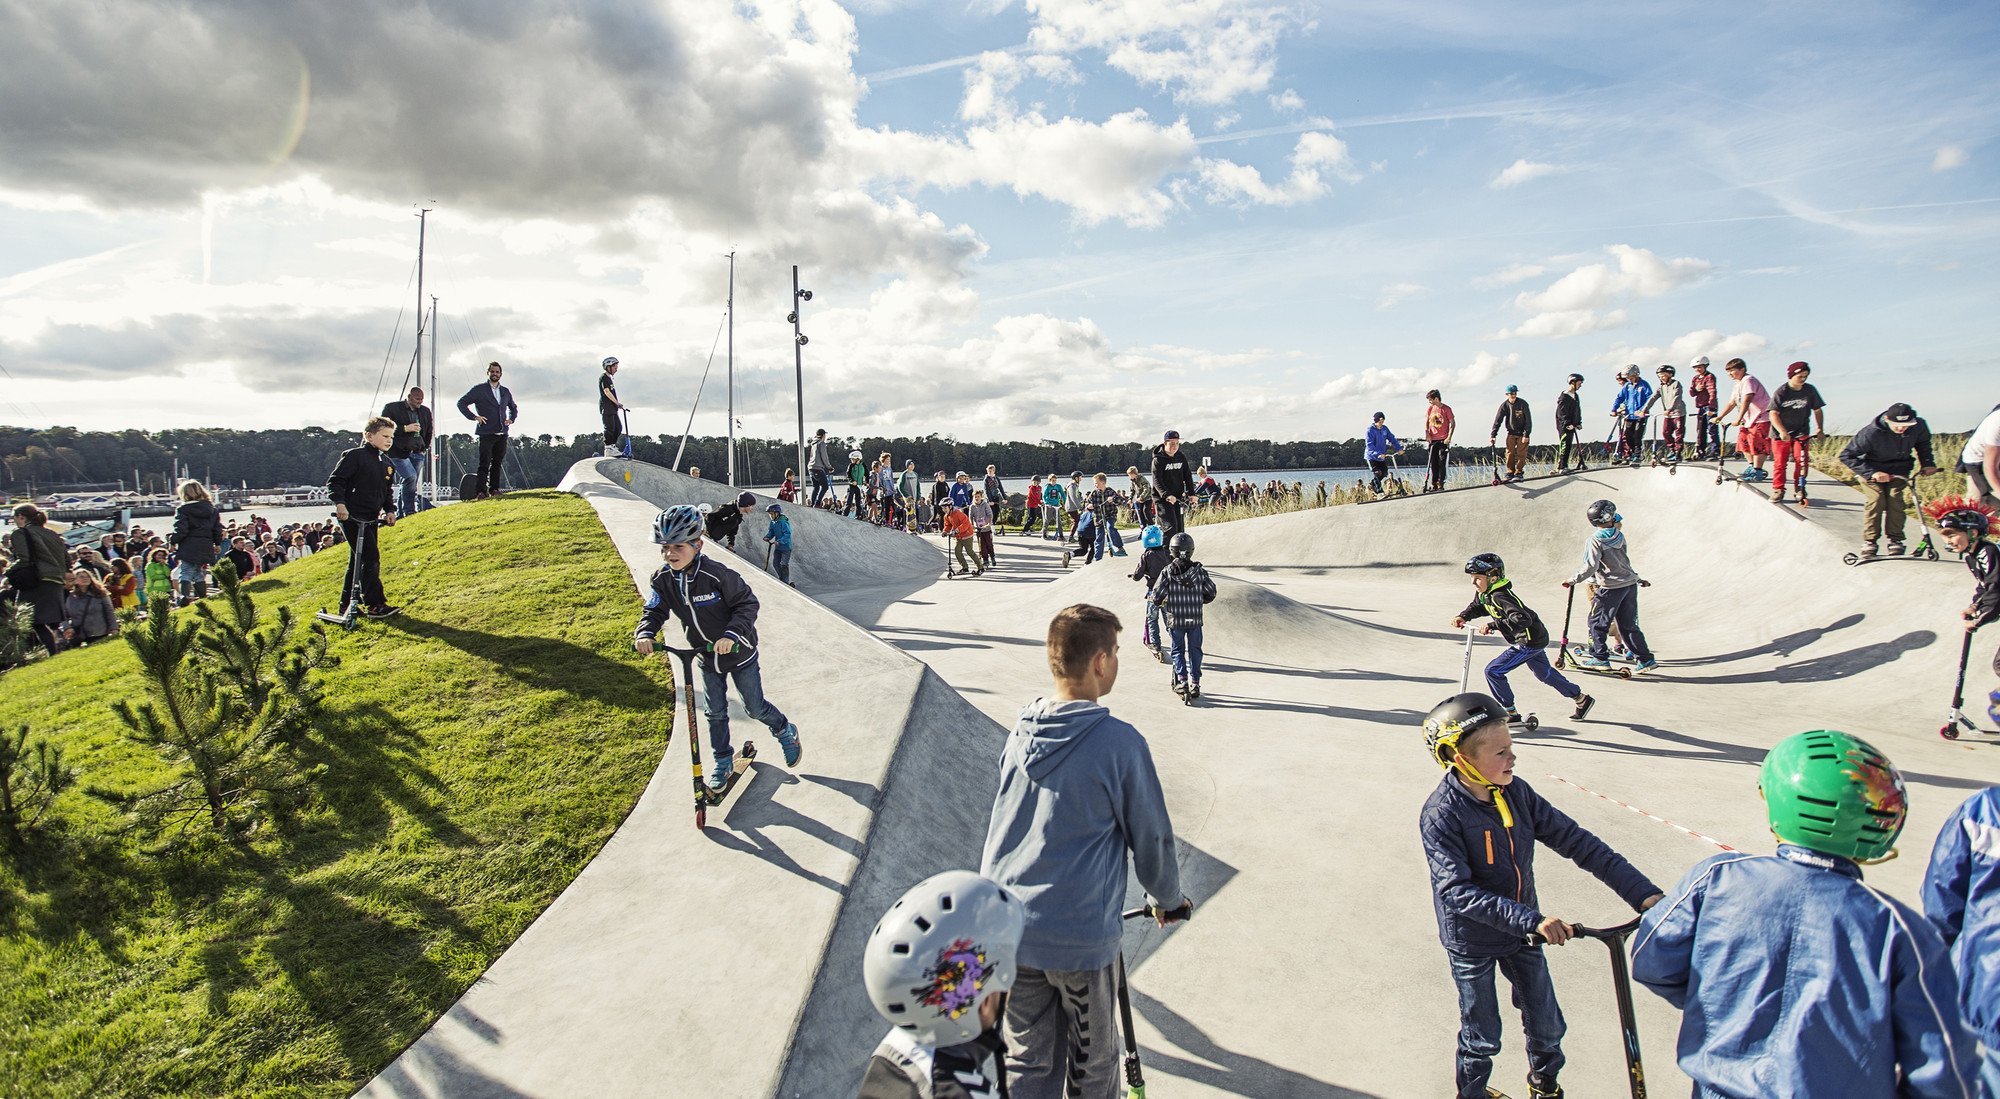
x=372, y=762
x=541, y=662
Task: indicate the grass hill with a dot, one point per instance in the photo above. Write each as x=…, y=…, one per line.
x=478, y=750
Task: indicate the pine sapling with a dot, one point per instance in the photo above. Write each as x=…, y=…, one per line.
x=31, y=778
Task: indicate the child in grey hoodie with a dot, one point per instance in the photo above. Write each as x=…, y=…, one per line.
x=1077, y=792
x=1607, y=564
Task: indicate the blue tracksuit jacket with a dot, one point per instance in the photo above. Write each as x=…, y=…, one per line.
x=1794, y=979
x=1962, y=899
x=1631, y=399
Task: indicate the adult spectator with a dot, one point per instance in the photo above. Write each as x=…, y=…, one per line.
x=41, y=561
x=492, y=405
x=609, y=406
x=1380, y=444
x=1630, y=403
x=1519, y=422
x=1751, y=403
x=1798, y=416
x=1707, y=429
x=413, y=442
x=1439, y=424
x=270, y=553
x=88, y=559
x=1879, y=454
x=197, y=540
x=359, y=488
x=820, y=468
x=123, y=584
x=1173, y=484
x=87, y=611
x=241, y=558
x=724, y=523
x=1980, y=460
x=1569, y=424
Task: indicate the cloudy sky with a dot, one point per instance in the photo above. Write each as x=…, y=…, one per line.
x=1052, y=219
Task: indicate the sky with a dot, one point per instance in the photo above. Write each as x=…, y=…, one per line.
x=1084, y=221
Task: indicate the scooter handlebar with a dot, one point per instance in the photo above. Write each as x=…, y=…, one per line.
x=1171, y=915
x=1602, y=934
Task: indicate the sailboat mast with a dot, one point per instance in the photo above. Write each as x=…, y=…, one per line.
x=731, y=303
x=431, y=451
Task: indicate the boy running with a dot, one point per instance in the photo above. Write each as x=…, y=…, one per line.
x=1798, y=416
x=1496, y=599
x=1608, y=564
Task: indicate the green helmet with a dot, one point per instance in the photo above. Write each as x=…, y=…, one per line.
x=1835, y=794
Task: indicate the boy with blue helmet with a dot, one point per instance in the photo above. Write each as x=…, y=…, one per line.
x=1794, y=978
x=778, y=535
x=1152, y=562
x=718, y=613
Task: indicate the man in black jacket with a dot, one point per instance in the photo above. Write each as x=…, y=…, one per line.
x=1173, y=484
x=1879, y=454
x=1514, y=416
x=723, y=523
x=359, y=488
x=1569, y=421
x=493, y=406
x=413, y=442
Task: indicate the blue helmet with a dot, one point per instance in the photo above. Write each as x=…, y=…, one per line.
x=678, y=524
x=1152, y=537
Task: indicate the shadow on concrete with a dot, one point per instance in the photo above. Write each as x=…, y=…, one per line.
x=1396, y=631
x=1777, y=646
x=1222, y=1069
x=1246, y=664
x=1349, y=713
x=1203, y=877
x=431, y=1070
x=746, y=819
x=1828, y=668
x=911, y=639
x=1322, y=570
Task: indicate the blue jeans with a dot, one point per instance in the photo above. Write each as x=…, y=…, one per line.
x=1152, y=636
x=1107, y=531
x=1479, y=1015
x=406, y=485
x=1187, y=653
x=1620, y=605
x=1537, y=661
x=749, y=681
x=781, y=563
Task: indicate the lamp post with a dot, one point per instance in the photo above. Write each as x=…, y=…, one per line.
x=798, y=361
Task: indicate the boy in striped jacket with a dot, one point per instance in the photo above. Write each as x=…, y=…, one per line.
x=1183, y=589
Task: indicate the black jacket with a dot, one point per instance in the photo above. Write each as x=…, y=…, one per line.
x=712, y=603
x=364, y=481
x=902, y=1069
x=197, y=536
x=1173, y=474
x=43, y=550
x=1518, y=624
x=1878, y=449
x=723, y=523
x=1151, y=564
x=409, y=442
x=1984, y=562
x=1514, y=414
x=1183, y=588
x=478, y=401
x=1569, y=411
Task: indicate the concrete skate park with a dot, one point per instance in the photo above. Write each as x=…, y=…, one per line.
x=726, y=962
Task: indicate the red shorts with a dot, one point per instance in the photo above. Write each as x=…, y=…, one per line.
x=1754, y=438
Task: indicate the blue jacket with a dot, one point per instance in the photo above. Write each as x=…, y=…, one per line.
x=1632, y=398
x=478, y=401
x=961, y=494
x=1794, y=979
x=712, y=602
x=1077, y=791
x=1962, y=899
x=779, y=532
x=1483, y=875
x=1380, y=442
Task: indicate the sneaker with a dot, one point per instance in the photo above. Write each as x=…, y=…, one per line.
x=1868, y=550
x=1514, y=718
x=1194, y=690
x=788, y=739
x=1778, y=495
x=1583, y=705
x=718, y=779
x=1543, y=1086
x=381, y=610
x=1180, y=688
x=1896, y=549
x=1066, y=554
x=1645, y=665
x=1586, y=660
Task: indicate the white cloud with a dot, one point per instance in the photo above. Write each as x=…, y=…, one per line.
x=1579, y=302
x=1287, y=101
x=1203, y=51
x=1397, y=293
x=1521, y=171
x=1949, y=157
x=1377, y=383
x=1315, y=157
x=1683, y=350
x=1509, y=275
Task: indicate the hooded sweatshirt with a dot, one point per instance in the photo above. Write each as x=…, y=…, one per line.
x=1606, y=561
x=1077, y=791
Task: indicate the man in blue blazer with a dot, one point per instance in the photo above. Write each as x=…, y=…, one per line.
x=493, y=406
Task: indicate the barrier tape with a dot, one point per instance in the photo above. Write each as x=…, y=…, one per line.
x=1622, y=805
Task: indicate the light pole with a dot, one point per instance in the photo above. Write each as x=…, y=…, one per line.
x=798, y=361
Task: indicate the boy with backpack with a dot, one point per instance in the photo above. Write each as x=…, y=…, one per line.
x=1078, y=794
x=1152, y=562
x=1607, y=564
x=1479, y=831
x=718, y=613
x=778, y=536
x=1792, y=976
x=1183, y=588
x=1494, y=598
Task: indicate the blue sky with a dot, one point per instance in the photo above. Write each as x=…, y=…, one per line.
x=1059, y=219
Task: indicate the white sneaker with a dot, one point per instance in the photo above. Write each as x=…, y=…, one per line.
x=613, y=452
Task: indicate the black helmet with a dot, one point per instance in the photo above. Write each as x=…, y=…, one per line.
x=1453, y=718
x=1602, y=513
x=1181, y=545
x=1576, y=377
x=1486, y=564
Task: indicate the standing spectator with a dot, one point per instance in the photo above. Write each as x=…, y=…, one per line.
x=1798, y=416
x=359, y=488
x=1514, y=415
x=240, y=557
x=820, y=468
x=1439, y=424
x=1630, y=404
x=1173, y=484
x=492, y=405
x=1143, y=508
x=1879, y=454
x=270, y=554
x=1073, y=499
x=197, y=541
x=93, y=562
x=1052, y=508
x=413, y=441
x=87, y=611
x=1752, y=404
x=1672, y=400
x=123, y=584
x=159, y=578
x=996, y=496
x=961, y=490
x=1380, y=445
x=1707, y=431
x=1980, y=460
x=1569, y=424
x=41, y=562
x=609, y=406
x=788, y=490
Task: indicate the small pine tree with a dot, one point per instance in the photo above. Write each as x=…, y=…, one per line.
x=31, y=778
x=18, y=643
x=262, y=661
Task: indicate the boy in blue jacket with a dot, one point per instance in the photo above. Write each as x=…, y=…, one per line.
x=718, y=613
x=1794, y=978
x=1381, y=444
x=1962, y=899
x=1480, y=828
x=1077, y=793
x=778, y=535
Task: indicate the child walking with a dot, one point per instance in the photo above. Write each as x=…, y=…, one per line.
x=1078, y=794
x=1495, y=598
x=1152, y=562
x=1479, y=831
x=1183, y=588
x=1608, y=564
x=778, y=535
x=1792, y=976
x=718, y=613
x=982, y=526
x=1031, y=511
x=996, y=493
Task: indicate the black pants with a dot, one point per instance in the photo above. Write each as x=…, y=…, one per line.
x=611, y=431
x=364, y=554
x=1635, y=438
x=1439, y=451
x=1380, y=468
x=1568, y=448
x=820, y=487
x=1171, y=522
x=492, y=455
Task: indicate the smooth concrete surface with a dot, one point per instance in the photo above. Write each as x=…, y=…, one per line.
x=1312, y=966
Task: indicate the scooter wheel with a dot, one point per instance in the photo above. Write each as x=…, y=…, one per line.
x=1850, y=558
x=1624, y=673
x=1930, y=555
x=1949, y=732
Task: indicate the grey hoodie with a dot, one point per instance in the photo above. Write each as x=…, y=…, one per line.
x=1606, y=563
x=1077, y=790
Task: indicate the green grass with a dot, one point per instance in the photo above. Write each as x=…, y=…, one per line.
x=480, y=748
